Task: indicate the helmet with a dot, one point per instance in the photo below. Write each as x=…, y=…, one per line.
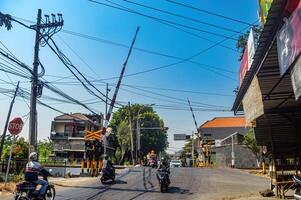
x=106, y=157
x=163, y=161
x=33, y=156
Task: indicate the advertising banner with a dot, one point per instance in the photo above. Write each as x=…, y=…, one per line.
x=243, y=66
x=252, y=102
x=251, y=48
x=247, y=58
x=288, y=40
x=296, y=78
x=264, y=6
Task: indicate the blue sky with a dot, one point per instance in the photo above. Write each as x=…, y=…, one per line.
x=105, y=60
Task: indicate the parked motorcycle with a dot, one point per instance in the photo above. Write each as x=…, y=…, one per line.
x=297, y=187
x=163, y=180
x=107, y=175
x=27, y=190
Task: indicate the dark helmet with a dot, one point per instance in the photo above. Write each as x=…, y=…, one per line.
x=106, y=157
x=164, y=161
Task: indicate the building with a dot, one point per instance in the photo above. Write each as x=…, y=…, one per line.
x=228, y=149
x=67, y=134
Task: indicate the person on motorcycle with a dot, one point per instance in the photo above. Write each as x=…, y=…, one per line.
x=164, y=166
x=107, y=164
x=32, y=170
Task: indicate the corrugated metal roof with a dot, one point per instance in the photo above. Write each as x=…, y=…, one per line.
x=266, y=52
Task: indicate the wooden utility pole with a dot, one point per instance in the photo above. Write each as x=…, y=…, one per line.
x=7, y=119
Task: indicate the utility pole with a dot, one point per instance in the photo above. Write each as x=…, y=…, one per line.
x=138, y=140
x=106, y=112
x=34, y=84
x=7, y=119
x=52, y=26
x=131, y=134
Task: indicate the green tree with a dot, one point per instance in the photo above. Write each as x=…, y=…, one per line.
x=20, y=148
x=155, y=138
x=6, y=21
x=44, y=149
x=250, y=142
x=123, y=137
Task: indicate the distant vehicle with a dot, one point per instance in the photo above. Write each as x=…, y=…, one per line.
x=175, y=163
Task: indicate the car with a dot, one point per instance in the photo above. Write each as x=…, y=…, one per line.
x=175, y=163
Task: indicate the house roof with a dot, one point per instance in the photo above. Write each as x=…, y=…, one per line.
x=74, y=116
x=225, y=122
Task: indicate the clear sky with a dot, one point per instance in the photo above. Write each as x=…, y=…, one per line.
x=101, y=59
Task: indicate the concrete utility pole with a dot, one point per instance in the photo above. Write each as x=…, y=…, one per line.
x=131, y=134
x=106, y=112
x=138, y=139
x=7, y=119
x=34, y=84
x=51, y=25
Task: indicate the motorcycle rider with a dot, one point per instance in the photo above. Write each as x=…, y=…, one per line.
x=32, y=170
x=108, y=165
x=164, y=166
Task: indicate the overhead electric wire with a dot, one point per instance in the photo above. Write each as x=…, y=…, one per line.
x=211, y=13
x=123, y=8
x=62, y=57
x=181, y=16
x=178, y=99
x=149, y=87
x=140, y=49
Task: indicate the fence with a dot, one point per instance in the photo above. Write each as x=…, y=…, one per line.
x=17, y=166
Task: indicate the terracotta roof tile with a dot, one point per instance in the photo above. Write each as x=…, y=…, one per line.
x=224, y=122
x=74, y=116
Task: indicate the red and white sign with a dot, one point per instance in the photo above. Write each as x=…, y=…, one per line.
x=243, y=66
x=247, y=58
x=15, y=126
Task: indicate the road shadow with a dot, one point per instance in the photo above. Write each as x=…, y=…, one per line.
x=177, y=190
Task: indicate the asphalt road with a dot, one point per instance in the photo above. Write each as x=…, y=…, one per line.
x=186, y=183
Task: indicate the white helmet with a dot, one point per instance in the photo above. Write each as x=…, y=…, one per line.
x=33, y=156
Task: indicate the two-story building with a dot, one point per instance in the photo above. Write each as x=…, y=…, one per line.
x=67, y=134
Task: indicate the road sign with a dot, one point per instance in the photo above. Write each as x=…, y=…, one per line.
x=179, y=137
x=15, y=126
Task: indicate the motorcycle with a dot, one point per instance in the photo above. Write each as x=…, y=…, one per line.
x=297, y=187
x=106, y=175
x=162, y=177
x=27, y=190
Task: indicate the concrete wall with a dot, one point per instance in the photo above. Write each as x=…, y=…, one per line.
x=244, y=158
x=59, y=127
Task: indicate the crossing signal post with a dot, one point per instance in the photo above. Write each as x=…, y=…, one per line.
x=93, y=150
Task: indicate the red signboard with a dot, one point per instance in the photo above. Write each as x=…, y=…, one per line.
x=243, y=66
x=15, y=126
x=288, y=40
